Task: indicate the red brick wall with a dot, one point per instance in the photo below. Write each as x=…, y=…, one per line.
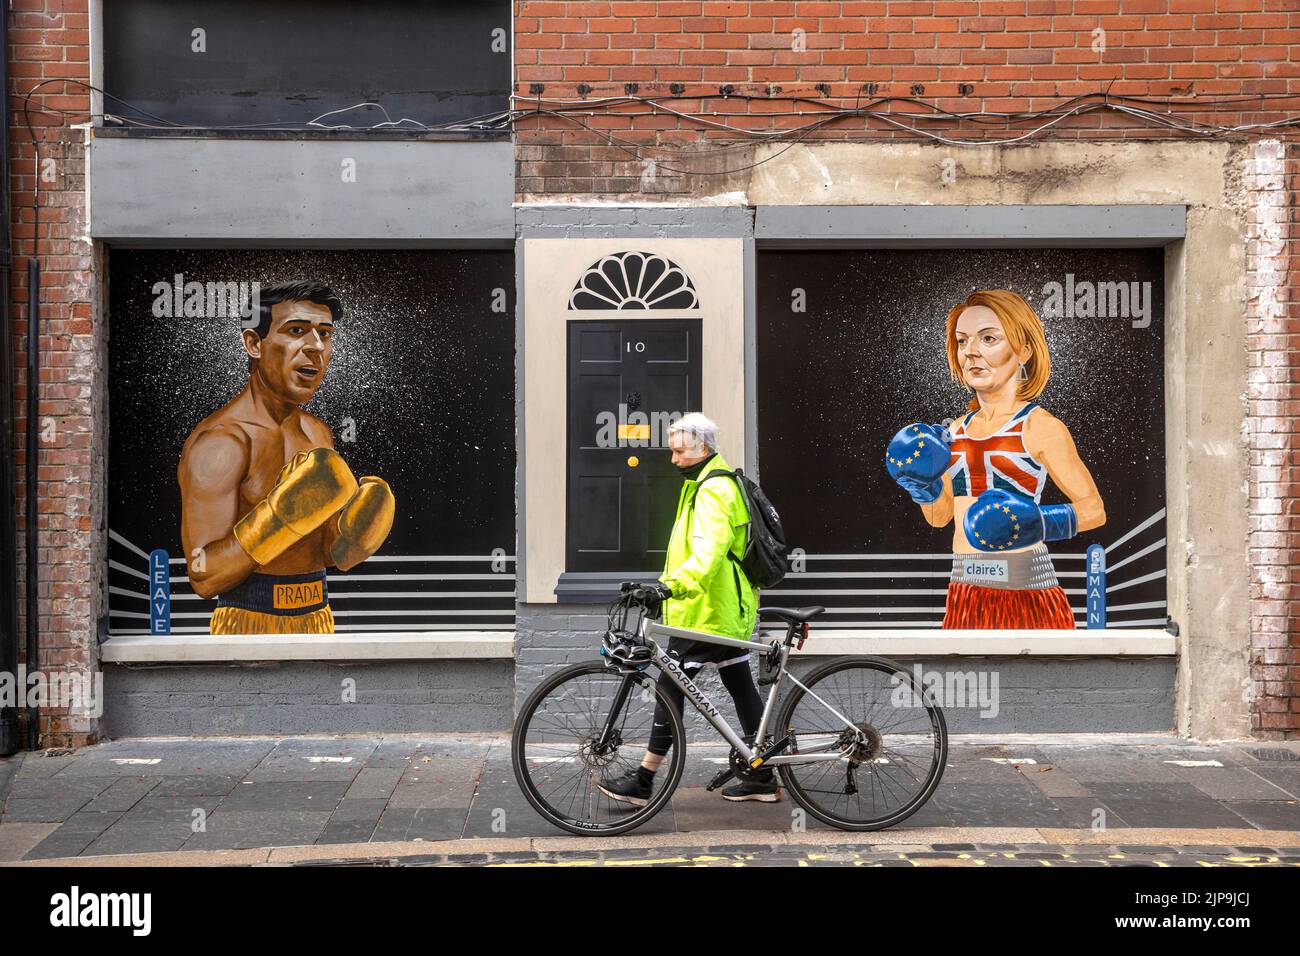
x=49, y=39
x=960, y=55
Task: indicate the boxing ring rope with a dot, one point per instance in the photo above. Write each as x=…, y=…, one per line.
x=870, y=607
x=344, y=595
x=1070, y=569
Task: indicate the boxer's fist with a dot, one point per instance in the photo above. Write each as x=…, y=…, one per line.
x=999, y=520
x=364, y=523
x=916, y=459
x=310, y=487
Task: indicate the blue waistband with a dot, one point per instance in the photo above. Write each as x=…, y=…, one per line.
x=287, y=595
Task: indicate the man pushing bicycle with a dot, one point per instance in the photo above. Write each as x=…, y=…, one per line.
x=704, y=589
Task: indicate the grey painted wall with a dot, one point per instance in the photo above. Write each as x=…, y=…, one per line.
x=293, y=192
x=306, y=697
x=1034, y=695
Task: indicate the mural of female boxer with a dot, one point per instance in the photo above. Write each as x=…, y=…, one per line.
x=267, y=504
x=986, y=474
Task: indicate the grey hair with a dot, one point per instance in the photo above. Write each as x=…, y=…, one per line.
x=698, y=429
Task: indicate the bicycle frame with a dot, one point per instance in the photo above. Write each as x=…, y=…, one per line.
x=650, y=629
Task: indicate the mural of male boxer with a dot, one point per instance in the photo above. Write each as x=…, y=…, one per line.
x=987, y=474
x=266, y=503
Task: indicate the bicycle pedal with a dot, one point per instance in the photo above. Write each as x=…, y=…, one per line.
x=719, y=780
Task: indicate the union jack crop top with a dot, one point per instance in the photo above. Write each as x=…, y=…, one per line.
x=998, y=461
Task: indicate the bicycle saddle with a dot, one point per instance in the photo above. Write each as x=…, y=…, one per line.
x=799, y=614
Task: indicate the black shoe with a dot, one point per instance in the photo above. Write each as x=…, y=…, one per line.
x=629, y=788
x=765, y=791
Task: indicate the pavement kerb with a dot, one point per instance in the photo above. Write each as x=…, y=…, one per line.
x=902, y=840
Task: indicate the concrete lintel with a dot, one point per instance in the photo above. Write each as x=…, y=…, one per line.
x=1101, y=642
x=418, y=645
x=915, y=226
x=650, y=221
x=246, y=191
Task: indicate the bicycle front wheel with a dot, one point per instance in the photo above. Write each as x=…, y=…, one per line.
x=876, y=742
x=581, y=726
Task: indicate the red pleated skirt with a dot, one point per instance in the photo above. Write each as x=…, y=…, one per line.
x=974, y=607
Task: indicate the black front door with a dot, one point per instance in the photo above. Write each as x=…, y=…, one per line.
x=627, y=381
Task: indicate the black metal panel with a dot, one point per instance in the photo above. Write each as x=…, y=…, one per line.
x=289, y=61
x=619, y=513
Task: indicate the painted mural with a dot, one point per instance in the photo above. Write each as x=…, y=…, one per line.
x=311, y=442
x=967, y=439
x=986, y=475
x=267, y=504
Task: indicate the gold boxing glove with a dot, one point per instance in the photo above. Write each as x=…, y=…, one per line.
x=312, y=486
x=364, y=523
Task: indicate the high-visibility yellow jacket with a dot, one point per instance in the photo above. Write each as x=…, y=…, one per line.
x=710, y=591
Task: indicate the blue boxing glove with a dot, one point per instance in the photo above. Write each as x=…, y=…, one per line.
x=916, y=459
x=999, y=520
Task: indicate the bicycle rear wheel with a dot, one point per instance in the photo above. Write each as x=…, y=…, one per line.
x=889, y=761
x=561, y=751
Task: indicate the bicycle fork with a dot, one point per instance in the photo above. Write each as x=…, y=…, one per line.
x=607, y=733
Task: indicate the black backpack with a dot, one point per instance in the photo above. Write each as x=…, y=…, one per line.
x=764, y=560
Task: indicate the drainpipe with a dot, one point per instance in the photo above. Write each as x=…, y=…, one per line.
x=32, y=606
x=9, y=742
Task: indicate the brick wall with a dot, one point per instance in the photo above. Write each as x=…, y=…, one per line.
x=959, y=55
x=1273, y=397
x=49, y=39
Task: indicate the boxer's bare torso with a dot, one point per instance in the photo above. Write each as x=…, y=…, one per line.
x=229, y=463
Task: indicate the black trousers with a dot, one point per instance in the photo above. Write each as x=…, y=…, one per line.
x=736, y=678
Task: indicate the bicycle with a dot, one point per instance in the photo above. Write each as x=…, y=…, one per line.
x=592, y=719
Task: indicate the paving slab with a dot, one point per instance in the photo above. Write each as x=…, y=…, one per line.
x=1052, y=781
x=1080, y=812
x=42, y=763
x=194, y=786
x=1090, y=768
x=18, y=839
x=247, y=829
x=440, y=783
x=122, y=793
x=136, y=838
x=374, y=783
x=1165, y=804
x=694, y=808
x=984, y=804
x=411, y=823
x=50, y=809
x=299, y=795
x=1267, y=814
x=1231, y=783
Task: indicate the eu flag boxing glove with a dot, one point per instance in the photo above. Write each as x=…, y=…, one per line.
x=916, y=459
x=999, y=520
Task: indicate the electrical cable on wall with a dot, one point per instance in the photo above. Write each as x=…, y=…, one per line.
x=823, y=115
